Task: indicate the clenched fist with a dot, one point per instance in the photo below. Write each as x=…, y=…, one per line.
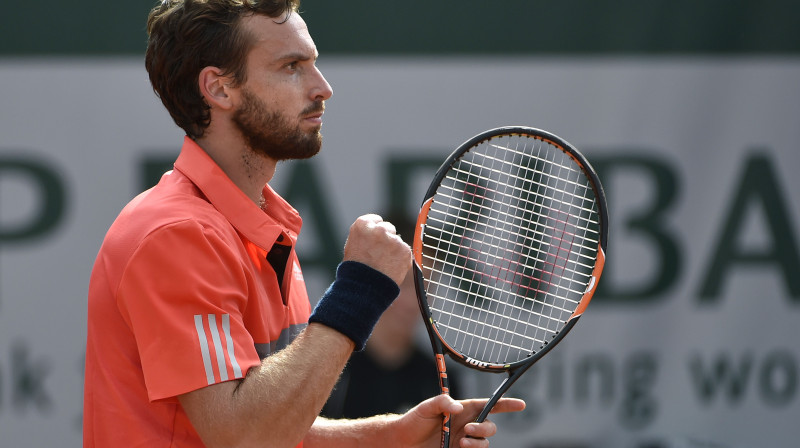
x=375, y=242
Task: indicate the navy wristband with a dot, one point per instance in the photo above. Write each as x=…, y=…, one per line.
x=355, y=301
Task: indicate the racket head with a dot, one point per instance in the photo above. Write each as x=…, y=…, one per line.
x=509, y=246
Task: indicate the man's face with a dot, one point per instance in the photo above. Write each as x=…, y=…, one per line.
x=271, y=133
x=281, y=103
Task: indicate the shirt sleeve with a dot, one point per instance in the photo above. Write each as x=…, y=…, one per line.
x=183, y=294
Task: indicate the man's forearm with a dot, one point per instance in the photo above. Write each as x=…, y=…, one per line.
x=278, y=401
x=359, y=433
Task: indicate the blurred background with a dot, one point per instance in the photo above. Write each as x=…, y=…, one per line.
x=689, y=110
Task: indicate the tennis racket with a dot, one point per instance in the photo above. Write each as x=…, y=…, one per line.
x=509, y=246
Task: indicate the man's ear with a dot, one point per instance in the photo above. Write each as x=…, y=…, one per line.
x=216, y=88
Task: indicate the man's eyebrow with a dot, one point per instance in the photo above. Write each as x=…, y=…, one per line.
x=298, y=56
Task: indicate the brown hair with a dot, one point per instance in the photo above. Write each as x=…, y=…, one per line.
x=186, y=36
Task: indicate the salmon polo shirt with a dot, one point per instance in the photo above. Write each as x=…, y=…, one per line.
x=193, y=285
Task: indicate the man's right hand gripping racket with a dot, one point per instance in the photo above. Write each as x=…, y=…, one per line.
x=509, y=246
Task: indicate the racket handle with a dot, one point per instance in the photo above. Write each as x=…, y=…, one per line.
x=446, y=431
x=444, y=385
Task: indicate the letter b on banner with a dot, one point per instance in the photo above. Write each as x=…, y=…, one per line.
x=645, y=223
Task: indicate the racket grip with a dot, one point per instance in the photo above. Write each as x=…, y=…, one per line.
x=446, y=431
x=444, y=385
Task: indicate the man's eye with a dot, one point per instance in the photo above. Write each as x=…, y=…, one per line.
x=292, y=65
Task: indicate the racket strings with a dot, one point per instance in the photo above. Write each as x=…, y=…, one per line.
x=470, y=171
x=549, y=267
x=509, y=247
x=513, y=267
x=467, y=204
x=537, y=236
x=520, y=187
x=518, y=239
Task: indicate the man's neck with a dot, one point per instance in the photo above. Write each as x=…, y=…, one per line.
x=247, y=169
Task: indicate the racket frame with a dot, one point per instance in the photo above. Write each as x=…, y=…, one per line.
x=438, y=343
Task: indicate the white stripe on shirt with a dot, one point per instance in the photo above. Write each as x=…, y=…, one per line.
x=226, y=328
x=201, y=337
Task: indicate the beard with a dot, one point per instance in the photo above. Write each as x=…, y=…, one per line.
x=269, y=133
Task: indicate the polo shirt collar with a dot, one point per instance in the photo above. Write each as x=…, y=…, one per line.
x=259, y=226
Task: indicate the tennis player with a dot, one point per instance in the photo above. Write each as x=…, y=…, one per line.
x=200, y=331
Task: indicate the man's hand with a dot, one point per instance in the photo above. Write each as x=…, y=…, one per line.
x=422, y=425
x=375, y=242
